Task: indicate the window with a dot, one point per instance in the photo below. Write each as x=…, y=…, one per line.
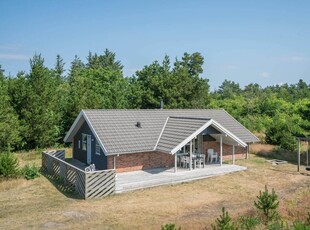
x=84, y=141
x=97, y=148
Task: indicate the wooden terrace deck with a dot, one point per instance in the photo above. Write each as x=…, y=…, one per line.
x=129, y=181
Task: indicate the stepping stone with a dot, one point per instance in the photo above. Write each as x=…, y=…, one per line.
x=53, y=224
x=73, y=214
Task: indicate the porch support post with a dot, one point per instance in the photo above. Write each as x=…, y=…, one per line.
x=190, y=154
x=298, y=156
x=114, y=162
x=221, y=149
x=247, y=151
x=233, y=155
x=175, y=162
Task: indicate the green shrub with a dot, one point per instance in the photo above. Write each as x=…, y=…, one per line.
x=268, y=204
x=248, y=223
x=298, y=225
x=30, y=172
x=169, y=227
x=8, y=165
x=278, y=225
x=223, y=222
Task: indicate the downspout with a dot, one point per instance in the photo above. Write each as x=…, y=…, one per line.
x=221, y=150
x=190, y=154
x=233, y=154
x=175, y=162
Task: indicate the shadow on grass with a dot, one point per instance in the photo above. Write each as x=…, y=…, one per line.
x=284, y=155
x=305, y=174
x=67, y=190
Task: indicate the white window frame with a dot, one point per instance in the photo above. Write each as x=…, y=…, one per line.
x=97, y=148
x=84, y=141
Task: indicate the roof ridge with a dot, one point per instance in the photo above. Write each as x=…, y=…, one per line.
x=190, y=118
x=163, y=110
x=161, y=133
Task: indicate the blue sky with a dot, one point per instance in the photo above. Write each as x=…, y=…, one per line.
x=264, y=42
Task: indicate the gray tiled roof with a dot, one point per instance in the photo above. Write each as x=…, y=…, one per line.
x=118, y=132
x=177, y=130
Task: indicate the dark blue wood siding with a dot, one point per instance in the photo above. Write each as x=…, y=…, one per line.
x=100, y=161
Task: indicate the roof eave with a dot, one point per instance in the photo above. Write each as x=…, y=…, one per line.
x=66, y=139
x=207, y=124
x=73, y=130
x=95, y=133
x=179, y=146
x=231, y=135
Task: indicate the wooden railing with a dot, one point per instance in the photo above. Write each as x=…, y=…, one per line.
x=86, y=184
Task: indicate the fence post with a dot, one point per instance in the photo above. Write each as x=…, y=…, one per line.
x=63, y=171
x=49, y=164
x=87, y=185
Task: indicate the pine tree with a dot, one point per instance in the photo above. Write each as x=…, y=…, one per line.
x=9, y=124
x=41, y=113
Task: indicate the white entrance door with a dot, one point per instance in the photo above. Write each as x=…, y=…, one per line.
x=88, y=149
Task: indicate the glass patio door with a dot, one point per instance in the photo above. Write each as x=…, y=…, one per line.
x=88, y=149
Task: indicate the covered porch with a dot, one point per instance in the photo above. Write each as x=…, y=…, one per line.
x=129, y=181
x=197, y=150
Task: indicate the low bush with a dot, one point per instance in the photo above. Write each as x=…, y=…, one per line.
x=8, y=165
x=249, y=222
x=224, y=222
x=170, y=227
x=267, y=203
x=298, y=225
x=30, y=172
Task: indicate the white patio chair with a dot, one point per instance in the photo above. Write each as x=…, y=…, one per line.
x=90, y=168
x=212, y=155
x=200, y=161
x=184, y=161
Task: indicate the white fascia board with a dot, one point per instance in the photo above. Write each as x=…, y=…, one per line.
x=222, y=129
x=179, y=146
x=198, y=131
x=161, y=133
x=73, y=126
x=242, y=126
x=94, y=132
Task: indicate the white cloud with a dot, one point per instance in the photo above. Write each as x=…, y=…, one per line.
x=14, y=57
x=264, y=74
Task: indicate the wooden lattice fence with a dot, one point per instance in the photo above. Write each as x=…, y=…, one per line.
x=86, y=184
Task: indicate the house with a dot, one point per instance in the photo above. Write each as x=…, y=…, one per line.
x=128, y=140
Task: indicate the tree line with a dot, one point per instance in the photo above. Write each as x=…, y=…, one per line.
x=38, y=108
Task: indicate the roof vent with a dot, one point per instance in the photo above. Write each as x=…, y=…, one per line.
x=138, y=124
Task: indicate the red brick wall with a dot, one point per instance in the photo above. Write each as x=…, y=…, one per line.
x=139, y=161
x=148, y=160
x=240, y=152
